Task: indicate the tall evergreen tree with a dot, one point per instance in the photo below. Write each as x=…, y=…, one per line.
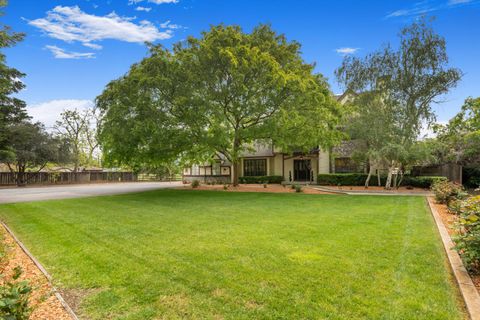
x=12, y=110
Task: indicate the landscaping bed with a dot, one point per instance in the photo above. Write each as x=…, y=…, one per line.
x=449, y=221
x=272, y=188
x=44, y=303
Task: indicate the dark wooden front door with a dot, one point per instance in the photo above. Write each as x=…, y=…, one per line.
x=301, y=170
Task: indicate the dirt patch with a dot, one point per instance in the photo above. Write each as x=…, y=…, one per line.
x=74, y=297
x=42, y=299
x=272, y=188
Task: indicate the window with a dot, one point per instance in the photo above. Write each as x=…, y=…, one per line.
x=254, y=167
x=216, y=169
x=346, y=165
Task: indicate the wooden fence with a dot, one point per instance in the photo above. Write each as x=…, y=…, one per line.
x=8, y=178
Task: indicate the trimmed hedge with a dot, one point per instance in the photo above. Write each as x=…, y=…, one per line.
x=261, y=179
x=421, y=181
x=358, y=179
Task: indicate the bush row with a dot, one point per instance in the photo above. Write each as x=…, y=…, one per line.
x=261, y=179
x=358, y=179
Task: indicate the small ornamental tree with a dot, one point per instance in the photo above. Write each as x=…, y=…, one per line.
x=217, y=94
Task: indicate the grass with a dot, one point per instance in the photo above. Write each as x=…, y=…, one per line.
x=176, y=254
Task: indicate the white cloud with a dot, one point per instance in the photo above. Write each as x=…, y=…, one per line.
x=346, y=50
x=60, y=53
x=93, y=46
x=132, y=2
x=426, y=6
x=455, y=2
x=168, y=25
x=49, y=112
x=71, y=24
x=140, y=8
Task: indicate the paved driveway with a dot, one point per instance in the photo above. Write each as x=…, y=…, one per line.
x=78, y=191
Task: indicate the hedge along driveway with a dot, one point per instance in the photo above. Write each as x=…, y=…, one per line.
x=213, y=255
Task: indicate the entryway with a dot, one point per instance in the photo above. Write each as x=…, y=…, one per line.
x=302, y=170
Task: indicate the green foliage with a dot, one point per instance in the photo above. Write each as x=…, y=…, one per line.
x=298, y=188
x=12, y=109
x=424, y=182
x=467, y=240
x=459, y=140
x=195, y=184
x=217, y=94
x=397, y=88
x=261, y=179
x=14, y=296
x=32, y=147
x=446, y=191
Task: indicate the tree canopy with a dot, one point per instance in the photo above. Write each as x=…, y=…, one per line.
x=12, y=110
x=396, y=91
x=217, y=94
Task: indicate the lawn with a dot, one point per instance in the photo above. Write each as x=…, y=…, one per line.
x=176, y=254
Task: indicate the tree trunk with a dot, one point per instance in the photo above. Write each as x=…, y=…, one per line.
x=370, y=172
x=21, y=177
x=388, y=184
x=379, y=180
x=235, y=173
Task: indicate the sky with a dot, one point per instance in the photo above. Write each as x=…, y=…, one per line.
x=74, y=48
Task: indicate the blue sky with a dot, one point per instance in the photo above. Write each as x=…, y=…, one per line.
x=74, y=48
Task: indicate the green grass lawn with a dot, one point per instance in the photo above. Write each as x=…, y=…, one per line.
x=176, y=254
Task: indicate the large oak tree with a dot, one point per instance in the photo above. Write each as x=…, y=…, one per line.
x=217, y=94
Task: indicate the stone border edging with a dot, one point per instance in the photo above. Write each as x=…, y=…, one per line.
x=468, y=290
x=43, y=270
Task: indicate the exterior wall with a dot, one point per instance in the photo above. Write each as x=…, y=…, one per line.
x=323, y=162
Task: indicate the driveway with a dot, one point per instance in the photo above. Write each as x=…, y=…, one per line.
x=78, y=191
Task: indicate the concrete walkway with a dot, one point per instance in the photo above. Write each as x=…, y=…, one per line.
x=28, y=194
x=374, y=193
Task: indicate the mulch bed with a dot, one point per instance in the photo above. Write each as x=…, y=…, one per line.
x=449, y=220
x=377, y=188
x=272, y=188
x=45, y=304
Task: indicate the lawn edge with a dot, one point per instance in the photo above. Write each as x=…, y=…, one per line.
x=467, y=288
x=40, y=267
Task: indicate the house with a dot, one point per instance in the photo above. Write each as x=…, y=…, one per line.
x=264, y=159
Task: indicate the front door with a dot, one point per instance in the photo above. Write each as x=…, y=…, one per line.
x=301, y=170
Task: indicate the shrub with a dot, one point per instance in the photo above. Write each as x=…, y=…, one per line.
x=264, y=185
x=14, y=296
x=446, y=191
x=261, y=179
x=298, y=188
x=467, y=240
x=195, y=184
x=225, y=187
x=424, y=182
